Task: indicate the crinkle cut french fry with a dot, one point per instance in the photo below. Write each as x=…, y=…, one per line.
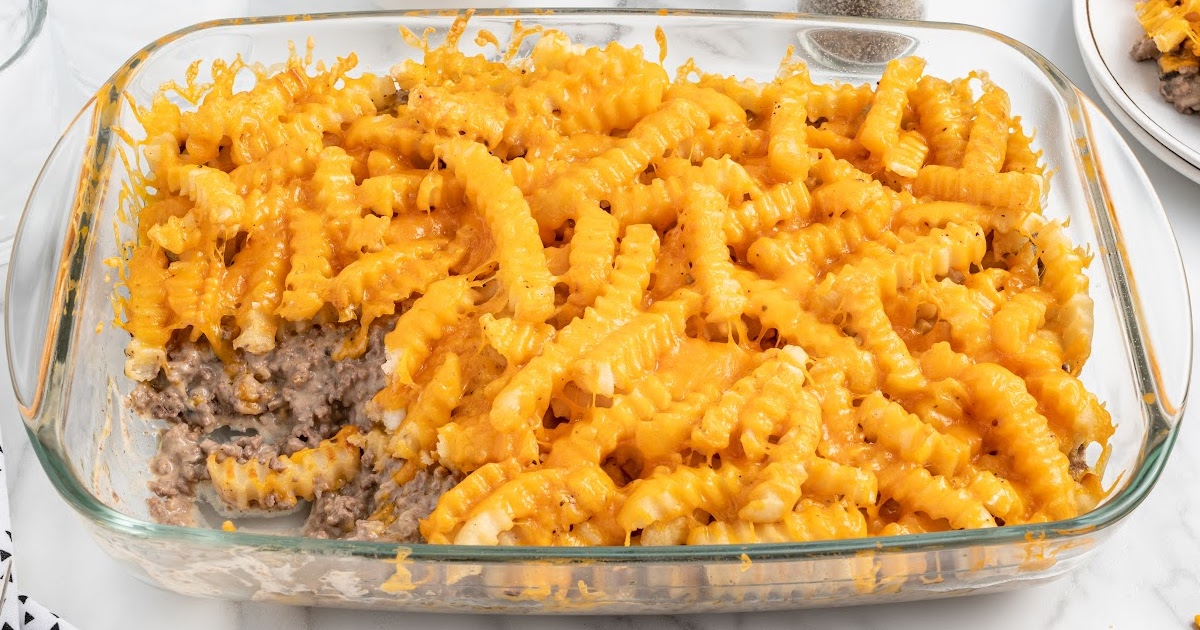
x=265, y=256
x=787, y=151
x=811, y=522
x=1065, y=279
x=1020, y=192
x=432, y=315
x=1000, y=395
x=147, y=313
x=280, y=484
x=704, y=237
x=988, y=139
x=901, y=153
x=496, y=196
x=632, y=352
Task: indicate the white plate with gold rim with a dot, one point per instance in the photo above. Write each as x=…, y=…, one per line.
x=1106, y=31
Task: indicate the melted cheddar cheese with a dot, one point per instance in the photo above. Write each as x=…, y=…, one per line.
x=634, y=309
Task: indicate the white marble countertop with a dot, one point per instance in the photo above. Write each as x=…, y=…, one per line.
x=1147, y=576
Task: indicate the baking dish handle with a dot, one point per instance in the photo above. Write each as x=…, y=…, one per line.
x=36, y=300
x=1149, y=264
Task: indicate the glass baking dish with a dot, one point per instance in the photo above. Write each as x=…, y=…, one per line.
x=66, y=358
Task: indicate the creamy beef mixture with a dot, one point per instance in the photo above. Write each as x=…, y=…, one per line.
x=264, y=406
x=1180, y=88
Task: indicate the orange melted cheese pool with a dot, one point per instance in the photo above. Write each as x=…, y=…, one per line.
x=635, y=309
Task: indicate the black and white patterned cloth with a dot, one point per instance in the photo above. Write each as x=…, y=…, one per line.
x=18, y=611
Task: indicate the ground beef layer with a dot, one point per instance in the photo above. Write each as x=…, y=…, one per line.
x=273, y=404
x=1180, y=88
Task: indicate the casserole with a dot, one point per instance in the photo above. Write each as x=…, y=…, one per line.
x=65, y=356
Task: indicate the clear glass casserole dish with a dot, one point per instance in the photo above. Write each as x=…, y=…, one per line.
x=66, y=358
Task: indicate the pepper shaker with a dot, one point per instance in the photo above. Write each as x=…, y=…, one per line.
x=894, y=9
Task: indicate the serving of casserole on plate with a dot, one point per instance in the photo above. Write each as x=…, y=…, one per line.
x=508, y=331
x=1107, y=32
